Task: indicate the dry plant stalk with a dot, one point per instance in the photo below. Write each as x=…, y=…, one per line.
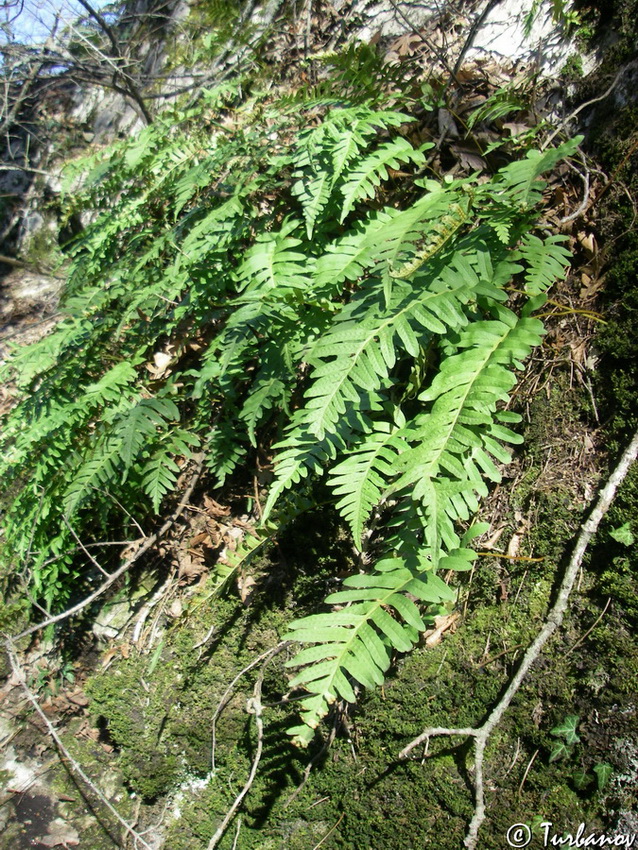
x=554, y=619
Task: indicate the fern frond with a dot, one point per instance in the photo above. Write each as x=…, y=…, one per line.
x=353, y=358
x=546, y=261
x=363, y=476
x=273, y=264
x=159, y=476
x=356, y=643
x=298, y=455
x=223, y=451
x=452, y=445
x=521, y=177
x=363, y=182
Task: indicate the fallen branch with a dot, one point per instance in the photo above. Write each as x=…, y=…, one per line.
x=564, y=124
x=265, y=656
x=114, y=576
x=554, y=619
x=253, y=706
x=20, y=676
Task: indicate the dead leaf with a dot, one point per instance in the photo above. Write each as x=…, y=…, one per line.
x=442, y=624
x=161, y=361
x=109, y=656
x=578, y=351
x=515, y=128
x=590, y=285
x=468, y=157
x=587, y=241
x=199, y=538
x=214, y=509
x=190, y=567
x=78, y=698
x=176, y=608
x=447, y=124
x=245, y=586
x=405, y=45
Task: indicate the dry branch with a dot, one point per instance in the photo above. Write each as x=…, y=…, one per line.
x=20, y=676
x=554, y=619
x=253, y=706
x=114, y=576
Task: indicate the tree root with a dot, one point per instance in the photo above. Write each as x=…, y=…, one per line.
x=554, y=619
x=20, y=677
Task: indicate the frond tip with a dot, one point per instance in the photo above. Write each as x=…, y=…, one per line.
x=354, y=645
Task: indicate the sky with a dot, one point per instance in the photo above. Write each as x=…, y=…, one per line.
x=31, y=20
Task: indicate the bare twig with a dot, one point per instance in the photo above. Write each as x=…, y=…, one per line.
x=20, y=676
x=329, y=833
x=83, y=547
x=553, y=621
x=313, y=761
x=253, y=706
x=527, y=770
x=585, y=201
x=590, y=629
x=265, y=656
x=130, y=85
x=146, y=545
x=563, y=125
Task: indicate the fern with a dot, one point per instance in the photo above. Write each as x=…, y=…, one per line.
x=312, y=297
x=362, y=477
x=368, y=176
x=355, y=643
x=545, y=261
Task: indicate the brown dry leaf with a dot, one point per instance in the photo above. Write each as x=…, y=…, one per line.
x=405, y=45
x=590, y=285
x=496, y=535
x=447, y=124
x=515, y=128
x=245, y=586
x=161, y=361
x=109, y=656
x=446, y=622
x=199, y=538
x=78, y=698
x=515, y=542
x=190, y=567
x=238, y=522
x=468, y=157
x=578, y=352
x=587, y=241
x=175, y=609
x=214, y=509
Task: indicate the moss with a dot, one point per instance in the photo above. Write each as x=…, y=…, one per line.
x=573, y=68
x=610, y=26
x=135, y=712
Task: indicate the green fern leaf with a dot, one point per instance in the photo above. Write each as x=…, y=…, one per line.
x=363, y=182
x=363, y=476
x=159, y=477
x=546, y=261
x=140, y=423
x=356, y=643
x=459, y=432
x=273, y=264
